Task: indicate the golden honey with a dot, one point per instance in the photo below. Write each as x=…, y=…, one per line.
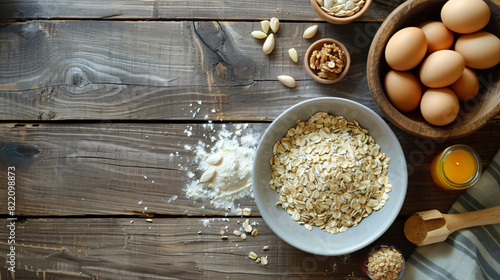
x=456, y=168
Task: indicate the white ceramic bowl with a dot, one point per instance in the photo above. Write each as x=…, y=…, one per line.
x=318, y=241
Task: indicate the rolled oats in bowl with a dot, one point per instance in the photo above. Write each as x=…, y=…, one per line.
x=320, y=171
x=384, y=263
x=329, y=173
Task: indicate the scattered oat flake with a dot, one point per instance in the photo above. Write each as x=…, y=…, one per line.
x=206, y=223
x=247, y=212
x=264, y=261
x=174, y=197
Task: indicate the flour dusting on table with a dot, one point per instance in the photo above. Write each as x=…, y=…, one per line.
x=224, y=168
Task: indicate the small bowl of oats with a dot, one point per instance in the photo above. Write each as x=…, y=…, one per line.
x=340, y=11
x=327, y=61
x=384, y=262
x=329, y=176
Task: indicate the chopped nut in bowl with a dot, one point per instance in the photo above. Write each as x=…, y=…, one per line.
x=327, y=61
x=384, y=262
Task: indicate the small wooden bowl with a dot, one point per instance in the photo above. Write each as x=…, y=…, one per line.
x=317, y=46
x=473, y=114
x=339, y=20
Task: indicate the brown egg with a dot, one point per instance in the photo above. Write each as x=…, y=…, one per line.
x=467, y=86
x=403, y=90
x=465, y=16
x=439, y=37
x=439, y=106
x=442, y=68
x=406, y=48
x=481, y=49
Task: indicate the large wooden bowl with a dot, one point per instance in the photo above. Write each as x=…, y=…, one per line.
x=473, y=114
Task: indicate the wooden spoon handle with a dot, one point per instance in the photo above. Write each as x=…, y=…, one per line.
x=482, y=217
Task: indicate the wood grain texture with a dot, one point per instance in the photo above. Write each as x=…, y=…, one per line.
x=108, y=168
x=61, y=70
x=113, y=95
x=175, y=10
x=168, y=248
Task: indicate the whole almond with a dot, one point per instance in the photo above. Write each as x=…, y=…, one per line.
x=310, y=32
x=287, y=80
x=265, y=26
x=259, y=34
x=293, y=54
x=275, y=24
x=268, y=46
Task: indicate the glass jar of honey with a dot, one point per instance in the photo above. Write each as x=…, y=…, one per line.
x=456, y=168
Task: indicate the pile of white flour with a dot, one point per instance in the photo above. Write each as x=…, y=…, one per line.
x=224, y=169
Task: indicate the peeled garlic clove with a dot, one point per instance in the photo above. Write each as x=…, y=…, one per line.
x=259, y=34
x=310, y=32
x=265, y=26
x=268, y=46
x=287, y=80
x=293, y=54
x=275, y=24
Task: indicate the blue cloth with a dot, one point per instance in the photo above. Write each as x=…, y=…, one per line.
x=467, y=254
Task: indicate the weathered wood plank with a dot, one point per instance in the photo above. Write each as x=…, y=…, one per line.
x=173, y=10
x=167, y=248
x=258, y=101
x=64, y=70
x=108, y=168
x=60, y=70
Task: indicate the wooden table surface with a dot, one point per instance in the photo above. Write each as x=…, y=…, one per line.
x=111, y=92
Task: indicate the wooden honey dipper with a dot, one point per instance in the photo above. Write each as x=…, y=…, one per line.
x=428, y=227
